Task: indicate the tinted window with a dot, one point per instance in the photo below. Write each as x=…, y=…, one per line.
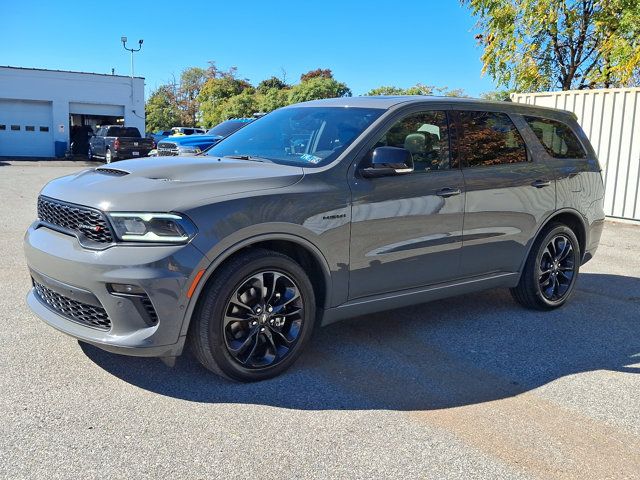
x=15, y=127
x=556, y=138
x=30, y=128
x=44, y=129
x=123, y=132
x=425, y=135
x=187, y=131
x=303, y=136
x=489, y=138
x=225, y=129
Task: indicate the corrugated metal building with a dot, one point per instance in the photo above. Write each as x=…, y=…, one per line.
x=611, y=120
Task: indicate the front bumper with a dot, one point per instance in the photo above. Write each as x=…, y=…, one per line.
x=65, y=268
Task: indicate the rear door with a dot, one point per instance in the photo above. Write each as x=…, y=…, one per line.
x=406, y=230
x=508, y=194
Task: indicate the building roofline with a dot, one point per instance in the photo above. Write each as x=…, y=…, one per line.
x=68, y=71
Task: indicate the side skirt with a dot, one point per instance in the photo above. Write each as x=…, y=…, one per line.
x=405, y=298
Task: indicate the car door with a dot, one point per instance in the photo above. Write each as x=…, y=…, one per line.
x=406, y=230
x=97, y=142
x=508, y=193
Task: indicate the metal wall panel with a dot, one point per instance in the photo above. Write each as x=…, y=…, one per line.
x=611, y=120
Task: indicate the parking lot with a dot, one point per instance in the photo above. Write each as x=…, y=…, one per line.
x=472, y=387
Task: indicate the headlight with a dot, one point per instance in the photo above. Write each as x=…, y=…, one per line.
x=189, y=150
x=152, y=227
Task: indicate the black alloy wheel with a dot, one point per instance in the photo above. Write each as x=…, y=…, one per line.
x=549, y=275
x=557, y=268
x=254, y=316
x=263, y=319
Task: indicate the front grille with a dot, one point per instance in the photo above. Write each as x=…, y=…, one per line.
x=90, y=223
x=83, y=313
x=167, y=149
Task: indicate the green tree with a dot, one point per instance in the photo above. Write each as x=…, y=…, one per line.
x=317, y=88
x=272, y=99
x=417, y=89
x=534, y=45
x=214, y=94
x=497, y=95
x=271, y=83
x=161, y=109
x=192, y=81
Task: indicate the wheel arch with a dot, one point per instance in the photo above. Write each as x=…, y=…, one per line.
x=301, y=250
x=569, y=217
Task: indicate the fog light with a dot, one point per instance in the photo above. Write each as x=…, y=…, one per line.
x=126, y=289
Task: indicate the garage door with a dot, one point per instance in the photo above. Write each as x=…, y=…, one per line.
x=26, y=128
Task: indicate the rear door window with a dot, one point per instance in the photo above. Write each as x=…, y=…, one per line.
x=489, y=138
x=556, y=137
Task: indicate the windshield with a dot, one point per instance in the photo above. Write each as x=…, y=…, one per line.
x=225, y=129
x=303, y=136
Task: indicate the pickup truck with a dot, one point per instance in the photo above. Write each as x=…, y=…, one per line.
x=194, y=144
x=113, y=142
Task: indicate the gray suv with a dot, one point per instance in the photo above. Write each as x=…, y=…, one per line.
x=314, y=213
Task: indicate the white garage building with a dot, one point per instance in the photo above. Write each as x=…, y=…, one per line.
x=42, y=111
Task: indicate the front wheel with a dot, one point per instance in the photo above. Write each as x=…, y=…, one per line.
x=108, y=156
x=550, y=273
x=254, y=317
x=90, y=153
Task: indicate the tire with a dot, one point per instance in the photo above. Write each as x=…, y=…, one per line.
x=274, y=342
x=108, y=156
x=549, y=276
x=90, y=154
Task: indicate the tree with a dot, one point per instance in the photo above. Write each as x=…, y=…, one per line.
x=191, y=82
x=317, y=88
x=317, y=73
x=544, y=44
x=216, y=91
x=271, y=83
x=417, y=89
x=272, y=99
x=161, y=109
x=497, y=95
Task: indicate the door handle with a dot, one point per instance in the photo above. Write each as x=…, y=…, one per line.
x=541, y=183
x=448, y=192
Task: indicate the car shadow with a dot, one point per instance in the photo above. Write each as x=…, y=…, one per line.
x=449, y=353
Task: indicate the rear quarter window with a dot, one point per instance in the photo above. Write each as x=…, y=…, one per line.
x=556, y=137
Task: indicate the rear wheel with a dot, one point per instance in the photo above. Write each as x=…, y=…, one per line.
x=254, y=317
x=550, y=273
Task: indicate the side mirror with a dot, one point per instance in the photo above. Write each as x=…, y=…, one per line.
x=387, y=161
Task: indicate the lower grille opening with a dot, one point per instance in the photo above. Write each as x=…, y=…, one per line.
x=148, y=306
x=85, y=314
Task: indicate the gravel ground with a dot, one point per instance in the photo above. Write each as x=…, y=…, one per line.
x=472, y=387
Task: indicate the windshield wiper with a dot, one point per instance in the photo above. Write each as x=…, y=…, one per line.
x=248, y=157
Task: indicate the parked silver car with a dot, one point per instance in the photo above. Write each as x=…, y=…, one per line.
x=314, y=213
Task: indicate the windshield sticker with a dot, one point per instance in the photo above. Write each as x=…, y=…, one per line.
x=310, y=158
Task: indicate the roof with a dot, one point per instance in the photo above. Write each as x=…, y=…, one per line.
x=388, y=101
x=68, y=71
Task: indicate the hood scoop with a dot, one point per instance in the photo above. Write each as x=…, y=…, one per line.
x=111, y=171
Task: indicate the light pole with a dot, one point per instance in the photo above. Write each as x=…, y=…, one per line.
x=132, y=50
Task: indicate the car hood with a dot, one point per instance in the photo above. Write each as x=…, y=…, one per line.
x=168, y=183
x=192, y=139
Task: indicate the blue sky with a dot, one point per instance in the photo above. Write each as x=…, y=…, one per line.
x=366, y=44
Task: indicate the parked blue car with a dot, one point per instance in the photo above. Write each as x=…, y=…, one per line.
x=194, y=144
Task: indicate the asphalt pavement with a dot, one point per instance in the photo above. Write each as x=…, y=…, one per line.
x=468, y=387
